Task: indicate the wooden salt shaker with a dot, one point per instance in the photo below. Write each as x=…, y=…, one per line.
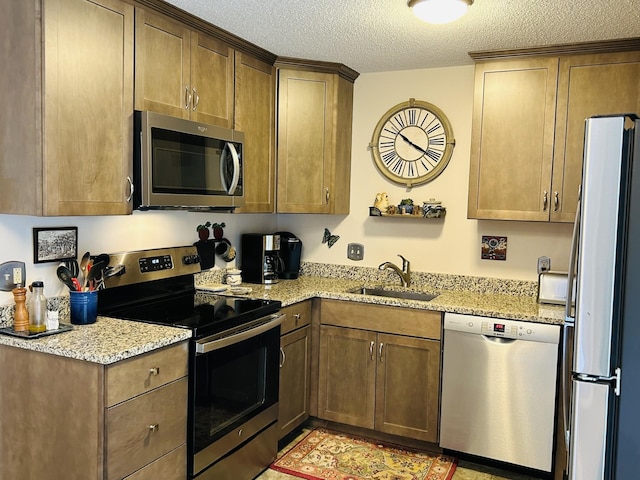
x=21, y=318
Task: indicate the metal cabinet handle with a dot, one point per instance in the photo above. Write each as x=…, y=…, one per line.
x=371, y=345
x=154, y=371
x=326, y=194
x=131, y=188
x=380, y=351
x=196, y=99
x=556, y=201
x=154, y=427
x=283, y=357
x=297, y=318
x=187, y=98
x=545, y=200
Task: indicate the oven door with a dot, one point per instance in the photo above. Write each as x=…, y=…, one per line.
x=234, y=381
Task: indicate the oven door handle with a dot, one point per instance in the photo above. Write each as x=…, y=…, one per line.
x=206, y=346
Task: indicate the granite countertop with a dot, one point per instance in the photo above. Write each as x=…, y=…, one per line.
x=110, y=340
x=489, y=304
x=107, y=341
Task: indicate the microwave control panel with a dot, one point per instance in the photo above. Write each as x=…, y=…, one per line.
x=153, y=264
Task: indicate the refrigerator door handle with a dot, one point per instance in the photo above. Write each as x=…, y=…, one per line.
x=573, y=259
x=566, y=382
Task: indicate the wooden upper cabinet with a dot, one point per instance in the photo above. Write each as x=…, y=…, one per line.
x=512, y=139
x=588, y=85
x=528, y=124
x=182, y=72
x=315, y=111
x=255, y=117
x=68, y=119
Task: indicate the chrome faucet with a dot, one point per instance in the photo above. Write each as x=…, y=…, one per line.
x=404, y=273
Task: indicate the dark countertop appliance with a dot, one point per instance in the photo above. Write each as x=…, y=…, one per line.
x=233, y=357
x=260, y=257
x=290, y=253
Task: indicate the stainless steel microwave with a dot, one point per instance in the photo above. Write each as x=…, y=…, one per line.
x=182, y=164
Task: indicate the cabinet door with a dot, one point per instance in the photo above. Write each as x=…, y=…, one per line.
x=294, y=380
x=407, y=387
x=588, y=85
x=346, y=383
x=305, y=141
x=255, y=116
x=211, y=81
x=88, y=107
x=163, y=65
x=512, y=140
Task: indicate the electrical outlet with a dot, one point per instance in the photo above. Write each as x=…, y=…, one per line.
x=355, y=251
x=544, y=264
x=11, y=275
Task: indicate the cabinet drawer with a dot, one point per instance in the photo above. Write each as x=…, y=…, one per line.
x=382, y=318
x=172, y=466
x=297, y=315
x=143, y=373
x=131, y=442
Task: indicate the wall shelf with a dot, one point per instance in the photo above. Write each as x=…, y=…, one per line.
x=437, y=213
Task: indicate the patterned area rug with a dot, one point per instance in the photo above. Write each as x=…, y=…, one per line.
x=327, y=455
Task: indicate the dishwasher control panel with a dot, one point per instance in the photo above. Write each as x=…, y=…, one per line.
x=499, y=327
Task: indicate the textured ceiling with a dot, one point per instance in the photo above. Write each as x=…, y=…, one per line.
x=383, y=35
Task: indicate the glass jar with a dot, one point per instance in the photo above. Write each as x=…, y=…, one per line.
x=37, y=308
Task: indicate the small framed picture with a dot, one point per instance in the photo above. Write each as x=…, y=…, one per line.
x=55, y=244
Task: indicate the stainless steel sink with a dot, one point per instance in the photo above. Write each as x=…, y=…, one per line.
x=404, y=294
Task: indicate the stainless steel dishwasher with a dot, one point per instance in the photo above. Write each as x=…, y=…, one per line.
x=499, y=389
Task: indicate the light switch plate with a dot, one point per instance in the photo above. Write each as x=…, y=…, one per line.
x=355, y=251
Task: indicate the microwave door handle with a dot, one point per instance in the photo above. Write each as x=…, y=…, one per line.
x=230, y=189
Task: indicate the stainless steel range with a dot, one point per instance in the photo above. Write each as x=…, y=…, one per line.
x=233, y=359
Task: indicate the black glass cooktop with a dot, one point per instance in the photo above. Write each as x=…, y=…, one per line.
x=203, y=313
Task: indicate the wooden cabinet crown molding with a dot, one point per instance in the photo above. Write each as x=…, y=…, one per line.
x=317, y=66
x=605, y=46
x=198, y=24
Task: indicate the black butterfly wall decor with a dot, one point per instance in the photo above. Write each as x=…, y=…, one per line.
x=328, y=238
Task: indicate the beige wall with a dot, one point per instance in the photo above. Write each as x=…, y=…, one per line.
x=451, y=245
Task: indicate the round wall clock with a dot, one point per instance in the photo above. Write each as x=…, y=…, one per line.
x=412, y=143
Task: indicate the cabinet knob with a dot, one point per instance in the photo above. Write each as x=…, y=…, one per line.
x=556, y=201
x=380, y=351
x=154, y=371
x=371, y=345
x=326, y=194
x=154, y=427
x=545, y=200
x=297, y=318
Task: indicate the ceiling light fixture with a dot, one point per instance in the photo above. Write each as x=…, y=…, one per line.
x=439, y=11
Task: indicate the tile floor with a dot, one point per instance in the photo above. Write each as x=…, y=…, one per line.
x=465, y=470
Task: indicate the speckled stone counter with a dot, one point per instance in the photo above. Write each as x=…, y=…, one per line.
x=509, y=299
x=107, y=341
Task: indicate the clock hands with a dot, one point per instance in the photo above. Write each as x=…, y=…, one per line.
x=417, y=147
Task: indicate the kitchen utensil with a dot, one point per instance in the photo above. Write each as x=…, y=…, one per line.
x=73, y=267
x=95, y=274
x=64, y=274
x=82, y=275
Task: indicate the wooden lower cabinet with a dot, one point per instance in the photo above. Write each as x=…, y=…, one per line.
x=380, y=380
x=295, y=348
x=57, y=422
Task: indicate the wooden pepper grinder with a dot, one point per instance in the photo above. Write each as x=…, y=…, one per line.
x=21, y=318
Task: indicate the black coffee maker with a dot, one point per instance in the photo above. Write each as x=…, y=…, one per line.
x=290, y=252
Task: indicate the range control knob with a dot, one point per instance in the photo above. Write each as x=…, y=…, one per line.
x=191, y=259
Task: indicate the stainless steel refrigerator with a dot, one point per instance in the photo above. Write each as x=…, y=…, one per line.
x=602, y=333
